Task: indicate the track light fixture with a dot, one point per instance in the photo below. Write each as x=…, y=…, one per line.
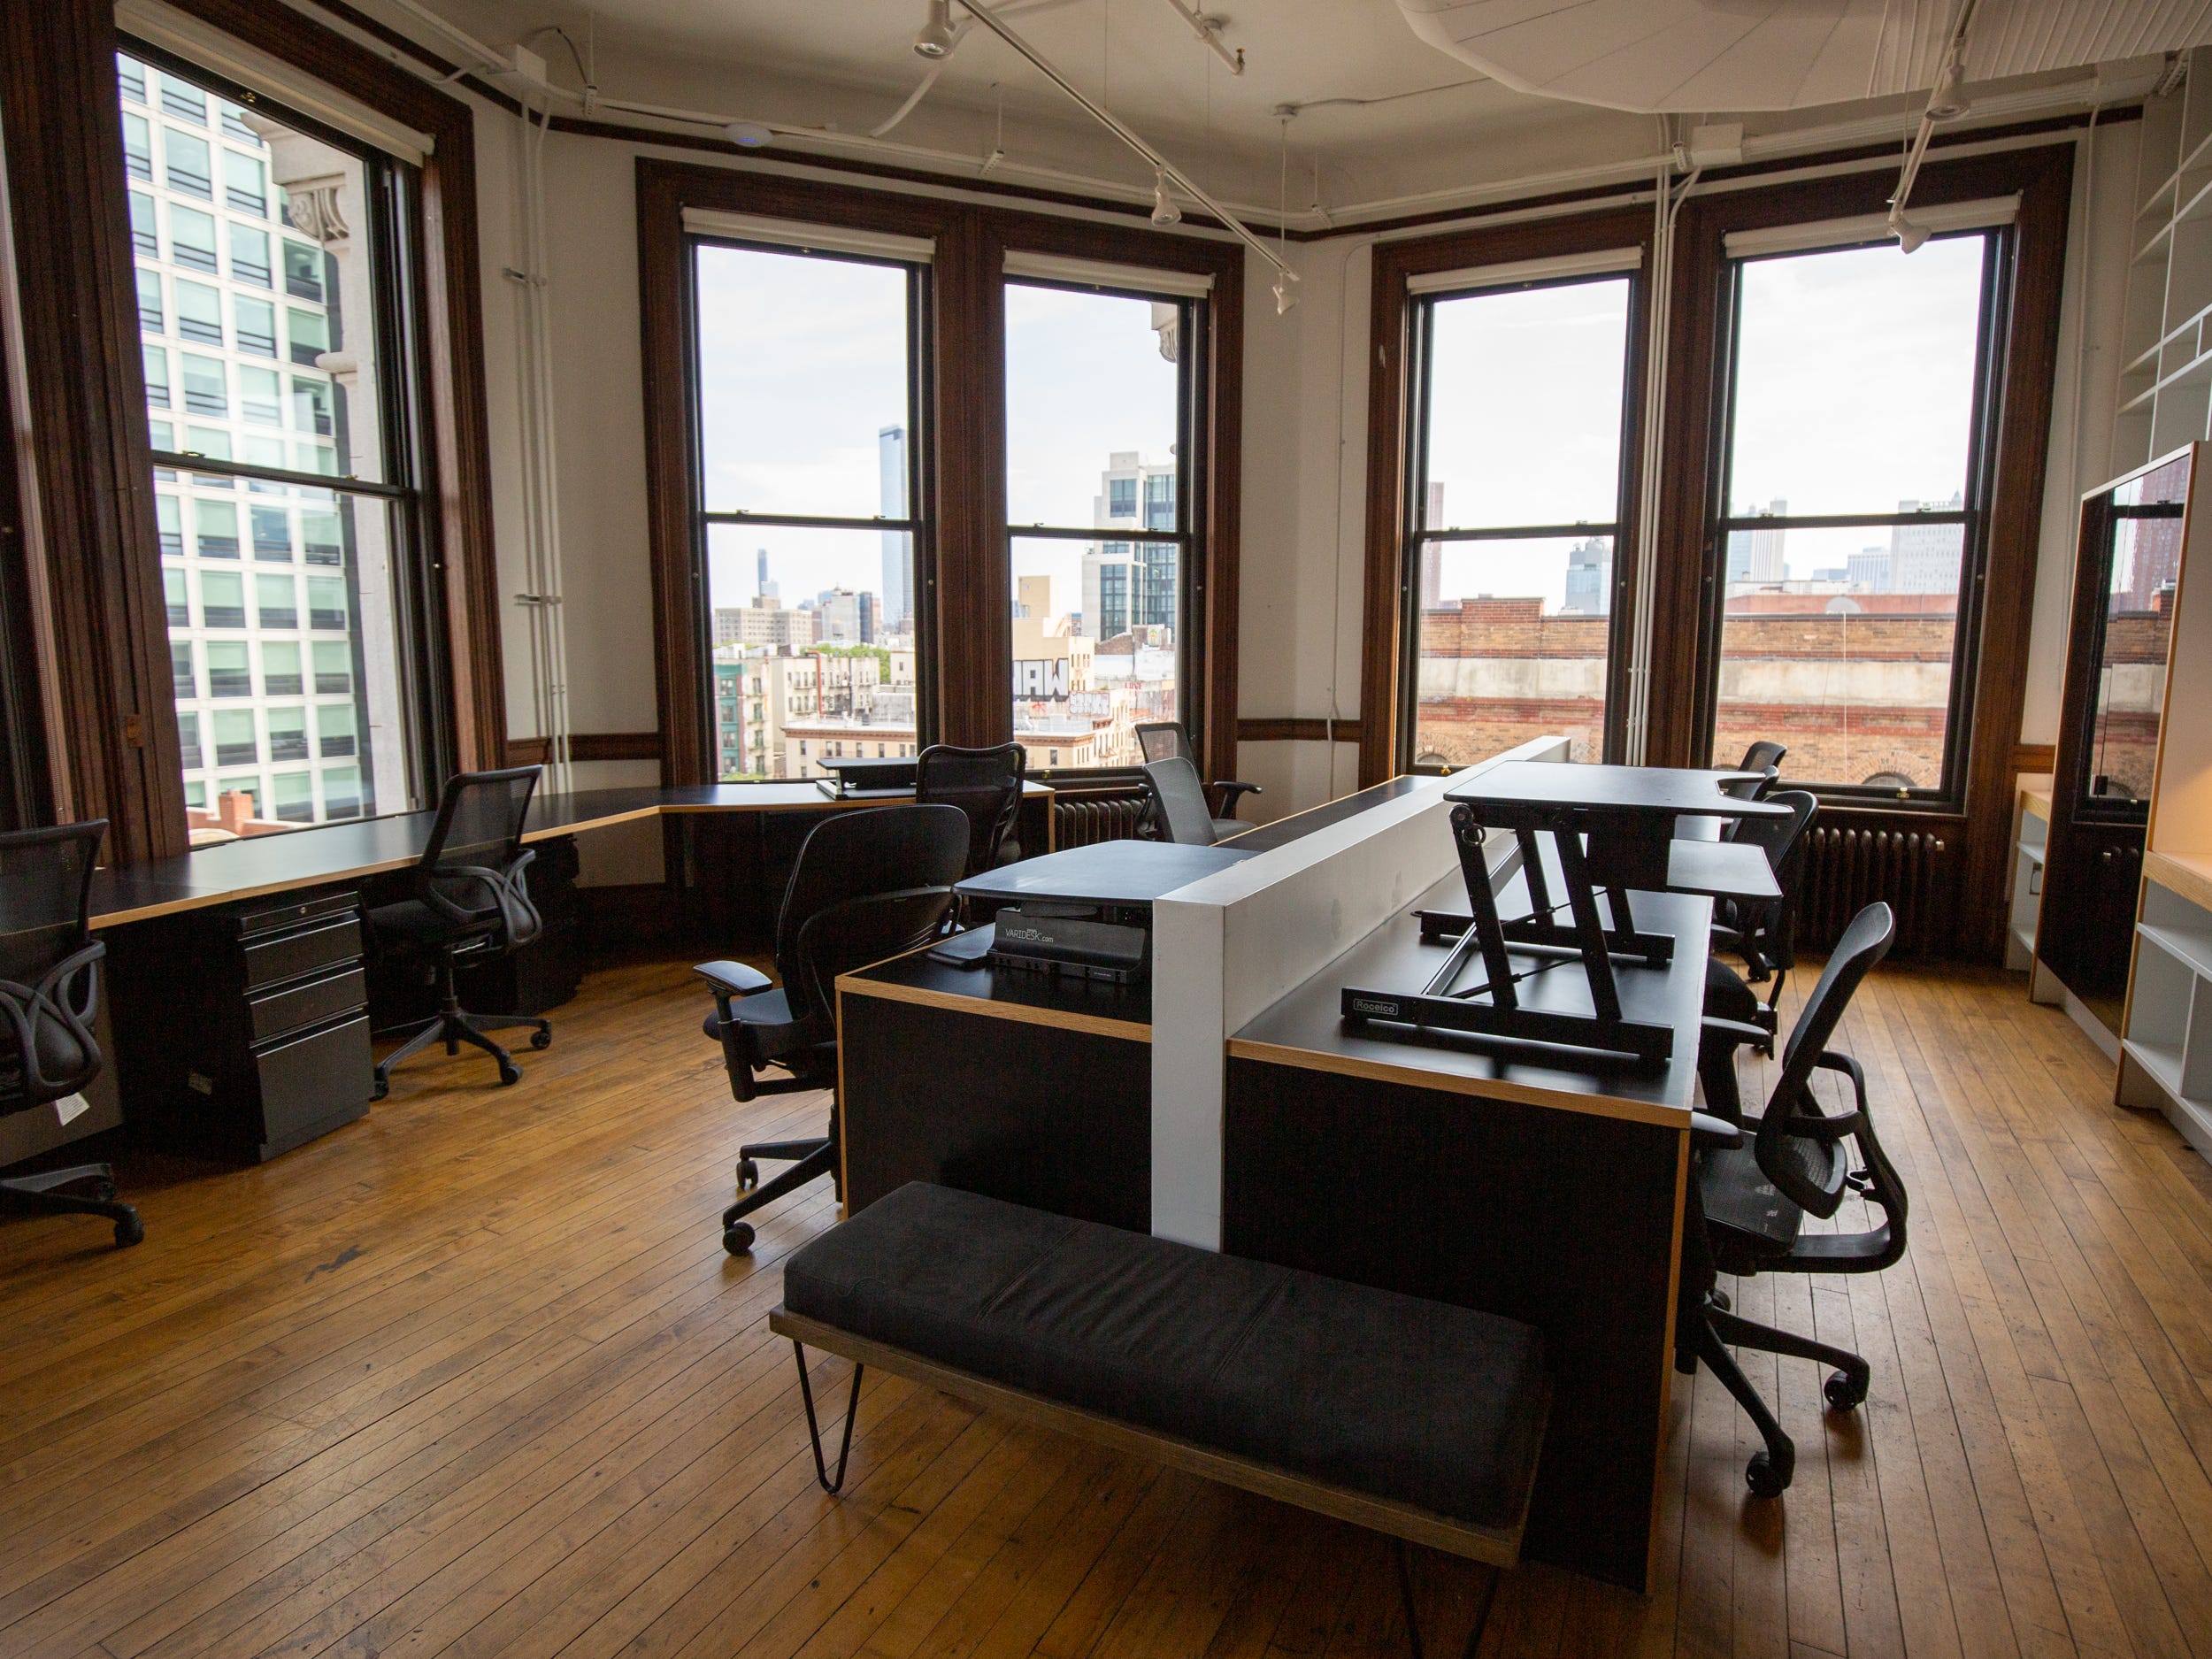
x=1284, y=298
x=1947, y=101
x=1909, y=234
x=1163, y=210
x=937, y=36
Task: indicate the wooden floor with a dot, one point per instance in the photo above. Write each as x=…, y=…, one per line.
x=474, y=1376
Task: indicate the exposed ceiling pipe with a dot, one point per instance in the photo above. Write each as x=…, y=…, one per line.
x=1120, y=130
x=1209, y=31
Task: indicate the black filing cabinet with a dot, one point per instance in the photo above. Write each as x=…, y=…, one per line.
x=244, y=1030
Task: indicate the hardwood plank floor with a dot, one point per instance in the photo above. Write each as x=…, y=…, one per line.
x=474, y=1376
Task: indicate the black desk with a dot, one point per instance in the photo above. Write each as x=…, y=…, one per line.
x=1459, y=1171
x=242, y=990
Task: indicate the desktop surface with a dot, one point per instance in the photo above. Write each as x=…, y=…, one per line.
x=1105, y=872
x=1306, y=1028
x=1568, y=786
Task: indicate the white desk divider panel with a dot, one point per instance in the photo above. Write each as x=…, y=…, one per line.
x=1225, y=948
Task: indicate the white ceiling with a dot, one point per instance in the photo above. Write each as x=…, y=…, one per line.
x=1688, y=55
x=1440, y=126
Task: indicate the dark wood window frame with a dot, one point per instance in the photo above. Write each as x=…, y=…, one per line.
x=1390, y=642
x=1685, y=650
x=109, y=684
x=1684, y=644
x=962, y=576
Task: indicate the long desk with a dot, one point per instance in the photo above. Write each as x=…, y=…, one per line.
x=1499, y=1177
x=335, y=854
x=241, y=988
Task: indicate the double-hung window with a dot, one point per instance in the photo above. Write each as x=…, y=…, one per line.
x=362, y=510
x=1851, y=523
x=807, y=378
x=1102, y=387
x=1515, y=502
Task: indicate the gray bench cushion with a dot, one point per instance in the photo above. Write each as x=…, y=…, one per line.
x=1418, y=1401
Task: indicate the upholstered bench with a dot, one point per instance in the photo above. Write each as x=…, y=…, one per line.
x=1415, y=1418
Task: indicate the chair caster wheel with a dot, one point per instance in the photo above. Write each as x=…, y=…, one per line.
x=509, y=1074
x=1719, y=1299
x=541, y=1040
x=1768, y=1479
x=748, y=1175
x=129, y=1230
x=380, y=1088
x=1844, y=1390
x=737, y=1238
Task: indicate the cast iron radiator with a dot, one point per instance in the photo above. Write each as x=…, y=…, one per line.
x=1107, y=816
x=1846, y=870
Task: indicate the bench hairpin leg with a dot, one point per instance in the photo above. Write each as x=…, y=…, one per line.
x=1405, y=1595
x=813, y=1429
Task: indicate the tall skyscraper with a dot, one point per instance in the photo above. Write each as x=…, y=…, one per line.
x=898, y=565
x=1589, y=577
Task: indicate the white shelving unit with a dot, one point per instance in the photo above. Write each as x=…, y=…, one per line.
x=2030, y=833
x=2165, y=389
x=2166, y=1040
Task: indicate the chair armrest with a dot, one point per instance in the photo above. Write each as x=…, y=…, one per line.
x=1709, y=1130
x=734, y=979
x=1735, y=1028
x=1831, y=1061
x=1232, y=791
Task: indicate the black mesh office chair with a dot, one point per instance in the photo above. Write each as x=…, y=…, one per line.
x=1755, y=1182
x=1761, y=932
x=472, y=902
x=1166, y=740
x=1178, y=809
x=1764, y=758
x=49, y=990
x=986, y=784
x=867, y=885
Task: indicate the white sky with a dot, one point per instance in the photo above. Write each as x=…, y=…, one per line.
x=1855, y=392
x=803, y=362
x=1856, y=371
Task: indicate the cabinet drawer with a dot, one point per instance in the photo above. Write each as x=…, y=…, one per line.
x=313, y=1083
x=289, y=956
x=309, y=1004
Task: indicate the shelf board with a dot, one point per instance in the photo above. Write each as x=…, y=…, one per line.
x=2193, y=951
x=2189, y=874
x=2033, y=853
x=2023, y=936
x=2196, y=371
x=2156, y=247
x=2163, y=1064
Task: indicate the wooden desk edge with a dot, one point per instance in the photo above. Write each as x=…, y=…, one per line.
x=1597, y=1105
x=580, y=827
x=1499, y=1546
x=1062, y=1020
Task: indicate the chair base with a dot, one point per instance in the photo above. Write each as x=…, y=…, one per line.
x=45, y=1194
x=454, y=1026
x=1709, y=1330
x=810, y=1160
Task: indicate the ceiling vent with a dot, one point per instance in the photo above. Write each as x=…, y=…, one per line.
x=1694, y=56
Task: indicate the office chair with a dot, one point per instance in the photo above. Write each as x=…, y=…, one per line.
x=49, y=988
x=1761, y=932
x=1764, y=758
x=867, y=885
x=1166, y=740
x=472, y=902
x=986, y=784
x=1178, y=810
x=1755, y=1182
